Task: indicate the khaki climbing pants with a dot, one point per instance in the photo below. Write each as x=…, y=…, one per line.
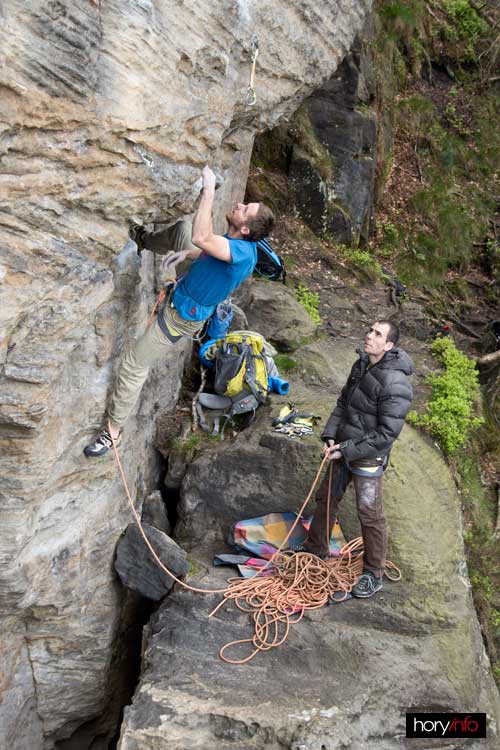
x=153, y=344
x=371, y=515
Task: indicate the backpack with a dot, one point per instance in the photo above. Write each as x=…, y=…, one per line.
x=241, y=375
x=240, y=370
x=269, y=264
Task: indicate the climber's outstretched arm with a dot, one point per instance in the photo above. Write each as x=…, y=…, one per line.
x=203, y=234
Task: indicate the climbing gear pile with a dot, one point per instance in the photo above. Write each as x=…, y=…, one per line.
x=299, y=582
x=292, y=423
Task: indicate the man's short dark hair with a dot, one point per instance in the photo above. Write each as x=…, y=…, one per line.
x=393, y=334
x=261, y=225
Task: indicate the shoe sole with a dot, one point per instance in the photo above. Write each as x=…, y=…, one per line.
x=367, y=596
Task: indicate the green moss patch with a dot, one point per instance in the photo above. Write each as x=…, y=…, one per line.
x=309, y=300
x=450, y=412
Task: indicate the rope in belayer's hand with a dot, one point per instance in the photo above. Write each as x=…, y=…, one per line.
x=279, y=599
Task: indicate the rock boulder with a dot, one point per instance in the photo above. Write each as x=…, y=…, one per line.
x=137, y=567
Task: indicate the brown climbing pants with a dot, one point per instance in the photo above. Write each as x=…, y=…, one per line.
x=371, y=515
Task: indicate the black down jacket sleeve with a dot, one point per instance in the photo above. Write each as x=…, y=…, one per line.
x=393, y=405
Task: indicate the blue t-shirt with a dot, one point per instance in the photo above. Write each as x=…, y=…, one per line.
x=210, y=281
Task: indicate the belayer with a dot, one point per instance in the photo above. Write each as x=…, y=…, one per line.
x=358, y=436
x=220, y=264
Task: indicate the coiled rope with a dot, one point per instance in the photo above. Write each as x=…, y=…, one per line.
x=276, y=601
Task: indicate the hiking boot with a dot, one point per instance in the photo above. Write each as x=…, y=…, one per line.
x=101, y=445
x=367, y=585
x=137, y=233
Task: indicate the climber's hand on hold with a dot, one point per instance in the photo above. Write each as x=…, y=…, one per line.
x=209, y=179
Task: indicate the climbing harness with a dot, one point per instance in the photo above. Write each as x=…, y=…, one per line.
x=251, y=97
x=163, y=299
x=300, y=581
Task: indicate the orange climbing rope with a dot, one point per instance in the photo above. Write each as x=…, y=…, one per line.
x=299, y=581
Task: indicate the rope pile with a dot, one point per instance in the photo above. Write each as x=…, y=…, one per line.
x=299, y=582
x=284, y=588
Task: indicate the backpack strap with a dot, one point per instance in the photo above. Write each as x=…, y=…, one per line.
x=253, y=384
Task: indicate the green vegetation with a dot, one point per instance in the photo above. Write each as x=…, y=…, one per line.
x=309, y=300
x=464, y=27
x=391, y=239
x=284, y=363
x=188, y=445
x=437, y=61
x=449, y=416
x=482, y=552
x=451, y=126
x=457, y=151
x=194, y=567
x=361, y=259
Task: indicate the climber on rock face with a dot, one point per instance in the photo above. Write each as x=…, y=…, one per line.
x=358, y=437
x=220, y=264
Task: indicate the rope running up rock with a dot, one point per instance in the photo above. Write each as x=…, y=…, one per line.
x=279, y=599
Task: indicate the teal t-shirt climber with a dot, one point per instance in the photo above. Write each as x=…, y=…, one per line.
x=210, y=281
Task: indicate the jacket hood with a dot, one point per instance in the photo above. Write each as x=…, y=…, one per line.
x=398, y=359
x=395, y=359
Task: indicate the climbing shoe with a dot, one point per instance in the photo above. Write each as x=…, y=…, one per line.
x=367, y=585
x=137, y=233
x=101, y=445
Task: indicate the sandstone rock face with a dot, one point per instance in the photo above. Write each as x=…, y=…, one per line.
x=137, y=567
x=347, y=673
x=109, y=110
x=154, y=512
x=333, y=169
x=277, y=314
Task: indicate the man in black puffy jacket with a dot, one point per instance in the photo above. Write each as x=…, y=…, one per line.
x=358, y=436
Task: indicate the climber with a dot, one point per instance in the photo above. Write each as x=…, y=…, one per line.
x=223, y=263
x=358, y=436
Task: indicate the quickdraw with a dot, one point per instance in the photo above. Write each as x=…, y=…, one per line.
x=251, y=97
